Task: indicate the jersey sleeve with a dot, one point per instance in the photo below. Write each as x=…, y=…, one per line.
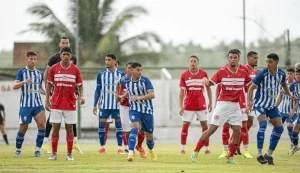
x=248, y=79
x=19, y=76
x=51, y=75
x=216, y=77
x=122, y=81
x=291, y=88
x=148, y=84
x=78, y=76
x=182, y=82
x=283, y=80
x=258, y=78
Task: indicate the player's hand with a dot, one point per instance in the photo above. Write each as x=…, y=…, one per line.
x=205, y=81
x=95, y=110
x=27, y=81
x=47, y=105
x=117, y=98
x=181, y=111
x=293, y=97
x=248, y=110
x=134, y=98
x=82, y=100
x=292, y=113
x=209, y=107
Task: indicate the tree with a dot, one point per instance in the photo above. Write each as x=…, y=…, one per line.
x=99, y=30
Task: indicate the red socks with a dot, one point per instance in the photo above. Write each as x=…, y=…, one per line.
x=207, y=142
x=184, y=133
x=199, y=145
x=54, y=143
x=225, y=134
x=141, y=137
x=70, y=140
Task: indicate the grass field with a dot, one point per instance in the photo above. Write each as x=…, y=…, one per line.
x=168, y=161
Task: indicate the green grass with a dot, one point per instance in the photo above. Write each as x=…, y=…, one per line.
x=168, y=161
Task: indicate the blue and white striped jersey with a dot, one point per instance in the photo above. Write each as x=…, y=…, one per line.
x=106, y=85
x=30, y=93
x=138, y=88
x=268, y=87
x=286, y=104
x=295, y=89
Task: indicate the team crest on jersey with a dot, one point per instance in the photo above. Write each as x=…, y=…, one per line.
x=216, y=117
x=234, y=81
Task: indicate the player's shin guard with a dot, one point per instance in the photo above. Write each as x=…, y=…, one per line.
x=119, y=132
x=290, y=131
x=48, y=127
x=150, y=143
x=101, y=133
x=19, y=140
x=141, y=137
x=261, y=134
x=244, y=134
x=70, y=140
x=54, y=142
x=125, y=138
x=106, y=131
x=40, y=137
x=295, y=138
x=275, y=136
x=225, y=133
x=199, y=145
x=132, y=138
x=184, y=133
x=207, y=142
x=232, y=149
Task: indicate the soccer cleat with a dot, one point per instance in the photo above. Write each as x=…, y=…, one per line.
x=247, y=155
x=293, y=150
x=194, y=156
x=207, y=152
x=77, y=148
x=142, y=152
x=120, y=151
x=102, y=151
x=126, y=150
x=53, y=156
x=17, y=153
x=231, y=161
x=223, y=155
x=130, y=157
x=269, y=159
x=153, y=155
x=46, y=148
x=70, y=157
x=182, y=152
x=261, y=159
x=38, y=154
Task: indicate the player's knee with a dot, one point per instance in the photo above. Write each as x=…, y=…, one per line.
x=134, y=131
x=279, y=129
x=263, y=125
x=101, y=125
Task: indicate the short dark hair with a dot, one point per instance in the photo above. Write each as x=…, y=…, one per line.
x=65, y=49
x=129, y=64
x=113, y=56
x=297, y=70
x=30, y=53
x=135, y=65
x=273, y=56
x=194, y=56
x=118, y=62
x=64, y=37
x=290, y=70
x=234, y=51
x=251, y=53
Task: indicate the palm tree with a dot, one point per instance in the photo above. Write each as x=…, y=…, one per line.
x=99, y=30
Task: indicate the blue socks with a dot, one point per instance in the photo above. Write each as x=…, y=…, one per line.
x=19, y=140
x=150, y=143
x=290, y=131
x=101, y=133
x=119, y=133
x=295, y=138
x=275, y=136
x=132, y=138
x=40, y=137
x=261, y=134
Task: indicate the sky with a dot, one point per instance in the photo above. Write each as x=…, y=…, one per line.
x=206, y=22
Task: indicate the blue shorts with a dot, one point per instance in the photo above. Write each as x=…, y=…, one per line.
x=146, y=120
x=270, y=113
x=286, y=118
x=105, y=113
x=26, y=114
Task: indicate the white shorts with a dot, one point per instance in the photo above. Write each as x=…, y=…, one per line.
x=226, y=111
x=189, y=115
x=244, y=115
x=70, y=117
x=109, y=120
x=124, y=115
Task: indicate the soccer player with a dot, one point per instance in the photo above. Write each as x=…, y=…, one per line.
x=140, y=92
x=30, y=80
x=63, y=77
x=2, y=123
x=267, y=82
x=106, y=86
x=192, y=101
x=295, y=89
x=233, y=80
x=64, y=42
x=286, y=105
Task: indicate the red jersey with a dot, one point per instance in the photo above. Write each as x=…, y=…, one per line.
x=193, y=84
x=251, y=71
x=64, y=82
x=122, y=91
x=242, y=101
x=231, y=83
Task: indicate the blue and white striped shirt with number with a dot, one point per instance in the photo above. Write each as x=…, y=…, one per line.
x=107, y=81
x=30, y=93
x=286, y=104
x=268, y=88
x=295, y=89
x=138, y=88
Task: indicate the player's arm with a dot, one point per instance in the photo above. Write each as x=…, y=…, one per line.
x=250, y=96
x=209, y=94
x=46, y=73
x=18, y=84
x=287, y=90
x=150, y=95
x=97, y=94
x=279, y=98
x=292, y=113
x=42, y=90
x=47, y=100
x=181, y=97
x=81, y=96
x=117, y=91
x=218, y=91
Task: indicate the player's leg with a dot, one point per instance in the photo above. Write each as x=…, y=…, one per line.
x=55, y=120
x=70, y=118
x=275, y=120
x=119, y=130
x=244, y=137
x=140, y=140
x=147, y=124
x=290, y=126
x=295, y=138
x=203, y=117
x=46, y=146
x=135, y=119
x=124, y=115
x=103, y=115
x=225, y=140
x=250, y=120
x=3, y=131
x=24, y=119
x=40, y=119
x=107, y=124
x=76, y=145
x=187, y=117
